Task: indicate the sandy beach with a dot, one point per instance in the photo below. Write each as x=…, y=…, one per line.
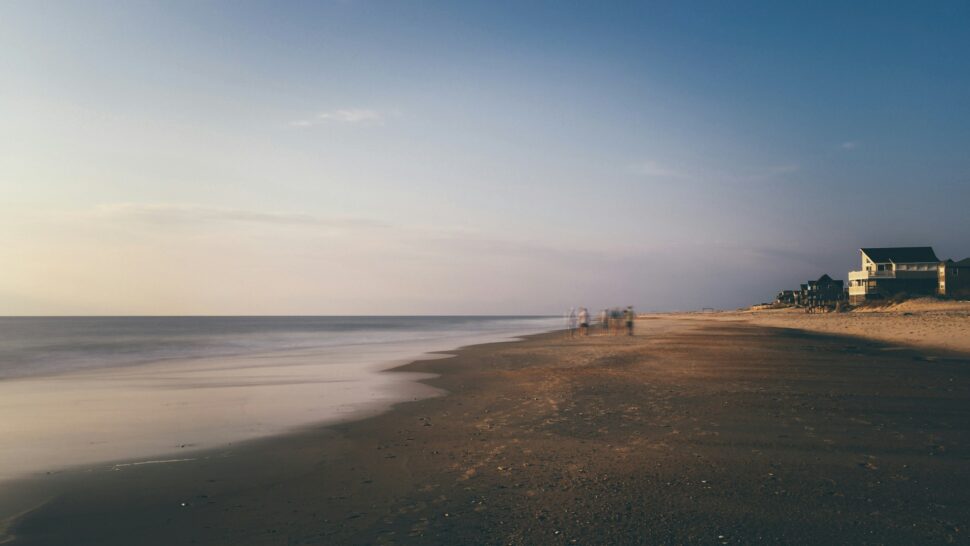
x=693, y=431
x=337, y=273
x=925, y=322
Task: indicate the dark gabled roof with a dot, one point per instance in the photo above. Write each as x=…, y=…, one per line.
x=823, y=280
x=901, y=254
x=962, y=263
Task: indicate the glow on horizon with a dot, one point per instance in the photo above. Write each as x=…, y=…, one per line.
x=473, y=158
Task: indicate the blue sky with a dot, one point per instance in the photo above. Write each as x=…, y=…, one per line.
x=431, y=157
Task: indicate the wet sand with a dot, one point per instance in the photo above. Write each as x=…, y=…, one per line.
x=690, y=432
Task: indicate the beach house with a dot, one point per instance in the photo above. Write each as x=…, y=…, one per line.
x=824, y=291
x=786, y=297
x=886, y=272
x=954, y=278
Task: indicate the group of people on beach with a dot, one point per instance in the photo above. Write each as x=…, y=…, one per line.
x=611, y=321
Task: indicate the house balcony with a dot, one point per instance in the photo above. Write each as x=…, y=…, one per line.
x=866, y=275
x=857, y=290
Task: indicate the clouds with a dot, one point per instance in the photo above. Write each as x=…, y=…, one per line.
x=188, y=214
x=412, y=239
x=415, y=240
x=654, y=170
x=850, y=145
x=773, y=171
x=348, y=116
x=190, y=258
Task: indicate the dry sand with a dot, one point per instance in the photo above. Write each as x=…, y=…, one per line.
x=925, y=322
x=693, y=431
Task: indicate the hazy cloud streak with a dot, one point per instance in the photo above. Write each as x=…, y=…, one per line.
x=349, y=116
x=652, y=169
x=173, y=213
x=655, y=170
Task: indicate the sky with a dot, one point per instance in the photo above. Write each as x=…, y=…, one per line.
x=363, y=157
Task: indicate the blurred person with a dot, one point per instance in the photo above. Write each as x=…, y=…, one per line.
x=615, y=321
x=583, y=321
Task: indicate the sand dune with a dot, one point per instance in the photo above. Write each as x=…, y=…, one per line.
x=925, y=322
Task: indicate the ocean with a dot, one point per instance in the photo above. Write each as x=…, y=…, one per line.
x=109, y=391
x=32, y=346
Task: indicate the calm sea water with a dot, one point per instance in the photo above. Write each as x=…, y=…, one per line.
x=86, y=391
x=32, y=346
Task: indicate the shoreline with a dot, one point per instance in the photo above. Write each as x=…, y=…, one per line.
x=30, y=486
x=421, y=456
x=174, y=407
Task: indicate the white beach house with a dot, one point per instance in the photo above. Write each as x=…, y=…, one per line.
x=890, y=271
